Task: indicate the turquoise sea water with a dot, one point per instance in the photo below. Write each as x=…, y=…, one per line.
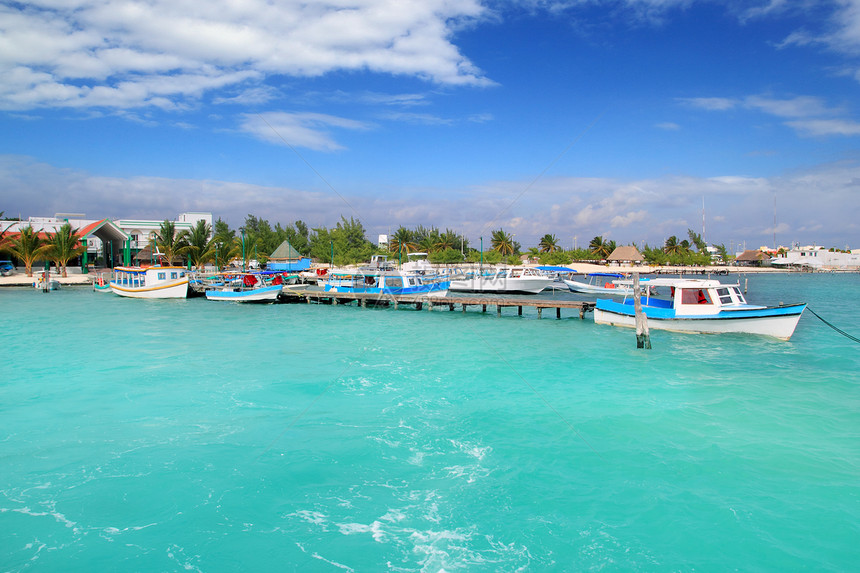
x=199, y=436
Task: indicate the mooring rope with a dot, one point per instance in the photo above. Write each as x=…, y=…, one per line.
x=837, y=329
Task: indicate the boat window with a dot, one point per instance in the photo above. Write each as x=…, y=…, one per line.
x=725, y=295
x=694, y=296
x=738, y=295
x=161, y=276
x=173, y=275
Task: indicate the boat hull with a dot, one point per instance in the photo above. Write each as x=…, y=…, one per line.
x=435, y=290
x=172, y=289
x=585, y=288
x=522, y=285
x=263, y=294
x=778, y=322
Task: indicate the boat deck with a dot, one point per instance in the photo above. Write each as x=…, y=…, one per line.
x=451, y=302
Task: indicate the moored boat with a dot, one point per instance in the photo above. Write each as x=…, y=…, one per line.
x=42, y=281
x=389, y=282
x=702, y=306
x=613, y=284
x=522, y=280
x=101, y=284
x=150, y=282
x=246, y=288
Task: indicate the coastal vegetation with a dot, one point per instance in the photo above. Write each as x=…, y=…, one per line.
x=26, y=248
x=61, y=247
x=347, y=243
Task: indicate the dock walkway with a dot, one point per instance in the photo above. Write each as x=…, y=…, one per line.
x=451, y=302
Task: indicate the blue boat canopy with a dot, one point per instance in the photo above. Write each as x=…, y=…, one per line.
x=556, y=269
x=616, y=275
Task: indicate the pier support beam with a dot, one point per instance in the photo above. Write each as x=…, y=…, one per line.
x=558, y=313
x=643, y=337
x=540, y=312
x=519, y=311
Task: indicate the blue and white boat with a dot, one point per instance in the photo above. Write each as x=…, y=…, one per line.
x=244, y=288
x=702, y=306
x=390, y=282
x=614, y=284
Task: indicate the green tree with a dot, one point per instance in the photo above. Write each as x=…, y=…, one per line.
x=403, y=240
x=348, y=240
x=696, y=239
x=600, y=248
x=445, y=257
x=502, y=243
x=63, y=246
x=548, y=243
x=26, y=247
x=200, y=245
x=170, y=243
x=450, y=240
x=672, y=246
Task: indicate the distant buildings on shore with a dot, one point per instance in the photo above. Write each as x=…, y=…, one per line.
x=810, y=257
x=108, y=241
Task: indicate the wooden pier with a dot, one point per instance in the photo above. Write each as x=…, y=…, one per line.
x=433, y=303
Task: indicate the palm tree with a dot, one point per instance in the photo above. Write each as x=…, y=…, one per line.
x=200, y=246
x=447, y=240
x=63, y=246
x=502, y=242
x=169, y=243
x=3, y=239
x=548, y=244
x=599, y=247
x=26, y=247
x=672, y=246
x=402, y=241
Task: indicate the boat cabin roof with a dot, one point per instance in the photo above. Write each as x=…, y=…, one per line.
x=689, y=283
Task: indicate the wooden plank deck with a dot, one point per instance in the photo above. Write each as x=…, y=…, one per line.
x=433, y=303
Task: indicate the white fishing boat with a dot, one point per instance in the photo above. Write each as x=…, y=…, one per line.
x=702, y=306
x=557, y=274
x=523, y=280
x=150, y=282
x=613, y=284
x=417, y=263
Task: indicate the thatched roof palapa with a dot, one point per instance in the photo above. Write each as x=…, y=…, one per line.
x=627, y=254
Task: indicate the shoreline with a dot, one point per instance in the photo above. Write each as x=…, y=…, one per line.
x=76, y=278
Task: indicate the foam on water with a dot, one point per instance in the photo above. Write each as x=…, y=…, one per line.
x=186, y=435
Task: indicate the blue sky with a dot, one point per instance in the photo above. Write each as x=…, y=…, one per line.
x=574, y=117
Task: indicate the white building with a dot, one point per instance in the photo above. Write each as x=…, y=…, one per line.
x=818, y=258
x=107, y=241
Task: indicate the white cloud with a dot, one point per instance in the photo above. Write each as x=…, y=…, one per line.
x=815, y=206
x=710, y=103
x=825, y=127
x=809, y=115
x=124, y=53
x=309, y=130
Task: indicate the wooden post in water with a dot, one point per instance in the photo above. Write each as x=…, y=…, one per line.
x=643, y=337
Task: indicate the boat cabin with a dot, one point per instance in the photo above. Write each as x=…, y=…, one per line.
x=691, y=297
x=139, y=277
